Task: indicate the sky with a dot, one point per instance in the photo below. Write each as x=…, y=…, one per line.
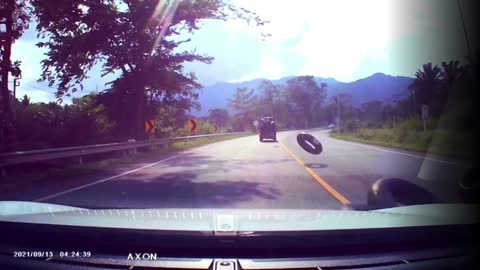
x=342, y=39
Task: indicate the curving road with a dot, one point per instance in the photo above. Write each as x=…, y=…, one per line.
x=244, y=173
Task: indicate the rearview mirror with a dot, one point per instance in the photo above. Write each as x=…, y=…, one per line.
x=309, y=143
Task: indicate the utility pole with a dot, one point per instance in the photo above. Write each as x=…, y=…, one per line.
x=414, y=105
x=16, y=82
x=338, y=113
x=467, y=40
x=7, y=131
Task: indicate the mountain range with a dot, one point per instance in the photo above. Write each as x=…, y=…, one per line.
x=378, y=86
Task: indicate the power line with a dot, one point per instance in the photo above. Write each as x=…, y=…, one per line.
x=465, y=30
x=38, y=88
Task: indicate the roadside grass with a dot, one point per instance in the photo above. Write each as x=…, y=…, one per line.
x=409, y=135
x=10, y=182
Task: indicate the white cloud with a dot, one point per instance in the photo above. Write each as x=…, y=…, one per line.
x=332, y=36
x=343, y=39
x=337, y=38
x=25, y=51
x=36, y=95
x=30, y=55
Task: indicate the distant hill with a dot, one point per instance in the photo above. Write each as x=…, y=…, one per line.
x=379, y=86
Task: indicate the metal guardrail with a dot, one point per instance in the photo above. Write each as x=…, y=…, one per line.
x=19, y=157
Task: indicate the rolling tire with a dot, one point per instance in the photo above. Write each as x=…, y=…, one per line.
x=309, y=143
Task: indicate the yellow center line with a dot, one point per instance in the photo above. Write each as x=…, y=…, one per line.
x=319, y=179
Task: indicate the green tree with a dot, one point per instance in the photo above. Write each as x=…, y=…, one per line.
x=87, y=107
x=46, y=125
x=451, y=71
x=25, y=101
x=243, y=100
x=304, y=97
x=426, y=86
x=269, y=98
x=14, y=15
x=138, y=39
x=372, y=111
x=328, y=113
x=319, y=103
x=244, y=104
x=344, y=109
x=219, y=117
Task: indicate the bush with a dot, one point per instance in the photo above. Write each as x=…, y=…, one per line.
x=410, y=124
x=205, y=128
x=451, y=141
x=371, y=124
x=352, y=125
x=410, y=134
x=385, y=134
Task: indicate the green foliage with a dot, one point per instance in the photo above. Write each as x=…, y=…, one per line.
x=41, y=125
x=371, y=111
x=243, y=123
x=304, y=96
x=296, y=104
x=409, y=134
x=15, y=17
x=131, y=38
x=219, y=117
x=352, y=125
x=243, y=100
x=204, y=127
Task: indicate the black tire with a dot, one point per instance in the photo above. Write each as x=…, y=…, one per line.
x=261, y=139
x=275, y=138
x=313, y=146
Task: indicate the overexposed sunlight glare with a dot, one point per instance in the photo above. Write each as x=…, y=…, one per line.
x=335, y=36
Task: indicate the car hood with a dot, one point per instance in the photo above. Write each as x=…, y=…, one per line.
x=239, y=220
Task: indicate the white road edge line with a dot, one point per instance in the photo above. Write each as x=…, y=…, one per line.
x=399, y=153
x=105, y=179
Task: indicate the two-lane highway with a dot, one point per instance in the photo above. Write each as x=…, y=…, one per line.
x=245, y=173
x=351, y=168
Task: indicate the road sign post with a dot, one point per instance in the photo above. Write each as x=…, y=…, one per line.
x=256, y=124
x=424, y=116
x=150, y=127
x=193, y=125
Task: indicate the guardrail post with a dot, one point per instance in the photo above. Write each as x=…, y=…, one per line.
x=134, y=150
x=80, y=158
x=152, y=148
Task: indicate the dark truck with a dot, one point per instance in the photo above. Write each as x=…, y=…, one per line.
x=267, y=129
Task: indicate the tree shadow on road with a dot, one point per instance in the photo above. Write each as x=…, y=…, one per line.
x=178, y=190
x=203, y=163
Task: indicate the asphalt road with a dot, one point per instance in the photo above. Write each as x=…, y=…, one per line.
x=245, y=173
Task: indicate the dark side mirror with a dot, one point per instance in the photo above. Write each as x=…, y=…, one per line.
x=392, y=192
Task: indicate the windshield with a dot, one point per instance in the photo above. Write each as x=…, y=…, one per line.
x=201, y=104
